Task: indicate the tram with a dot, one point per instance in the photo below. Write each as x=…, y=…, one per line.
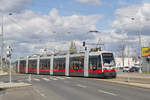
x=87, y=64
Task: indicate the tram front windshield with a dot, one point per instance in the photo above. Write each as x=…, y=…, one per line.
x=108, y=59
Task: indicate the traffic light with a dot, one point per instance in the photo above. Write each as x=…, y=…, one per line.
x=83, y=43
x=8, y=51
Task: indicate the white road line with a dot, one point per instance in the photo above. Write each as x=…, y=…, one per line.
x=43, y=95
x=53, y=78
x=36, y=79
x=107, y=92
x=82, y=86
x=60, y=78
x=46, y=79
x=68, y=77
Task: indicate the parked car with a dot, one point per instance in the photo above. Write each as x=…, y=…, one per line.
x=126, y=69
x=134, y=69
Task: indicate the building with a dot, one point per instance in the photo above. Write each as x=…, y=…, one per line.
x=126, y=62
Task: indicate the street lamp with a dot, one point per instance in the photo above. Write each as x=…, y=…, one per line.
x=2, y=42
x=140, y=44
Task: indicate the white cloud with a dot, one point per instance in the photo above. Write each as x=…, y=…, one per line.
x=90, y=2
x=13, y=5
x=28, y=32
x=130, y=21
x=124, y=20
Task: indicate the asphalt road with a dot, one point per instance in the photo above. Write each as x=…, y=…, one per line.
x=70, y=88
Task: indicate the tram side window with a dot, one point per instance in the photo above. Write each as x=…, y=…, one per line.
x=59, y=63
x=44, y=64
x=22, y=64
x=95, y=62
x=32, y=63
x=77, y=63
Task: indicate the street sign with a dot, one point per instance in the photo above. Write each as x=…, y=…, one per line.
x=145, y=51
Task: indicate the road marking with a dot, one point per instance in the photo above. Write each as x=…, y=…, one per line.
x=107, y=92
x=82, y=86
x=43, y=95
x=36, y=79
x=54, y=79
x=60, y=78
x=68, y=77
x=46, y=79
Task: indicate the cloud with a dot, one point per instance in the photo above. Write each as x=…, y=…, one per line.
x=90, y=2
x=29, y=32
x=13, y=5
x=130, y=22
x=133, y=19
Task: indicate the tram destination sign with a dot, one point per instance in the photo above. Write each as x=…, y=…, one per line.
x=107, y=54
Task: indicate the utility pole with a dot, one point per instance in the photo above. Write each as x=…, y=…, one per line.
x=140, y=48
x=122, y=53
x=9, y=52
x=128, y=56
x=2, y=43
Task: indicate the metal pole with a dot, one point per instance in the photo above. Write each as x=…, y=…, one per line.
x=147, y=67
x=2, y=45
x=140, y=48
x=10, y=71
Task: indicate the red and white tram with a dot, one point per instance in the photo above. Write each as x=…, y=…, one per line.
x=88, y=64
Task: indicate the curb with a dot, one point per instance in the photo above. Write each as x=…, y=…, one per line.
x=146, y=86
x=1, y=74
x=144, y=78
x=13, y=85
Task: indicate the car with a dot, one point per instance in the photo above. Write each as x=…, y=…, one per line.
x=134, y=69
x=126, y=69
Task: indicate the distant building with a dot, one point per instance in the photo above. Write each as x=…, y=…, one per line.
x=73, y=48
x=127, y=62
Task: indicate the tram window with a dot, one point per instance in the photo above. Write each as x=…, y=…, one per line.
x=44, y=63
x=22, y=64
x=32, y=63
x=77, y=63
x=59, y=63
x=108, y=59
x=95, y=62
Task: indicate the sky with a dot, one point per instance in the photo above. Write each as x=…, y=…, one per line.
x=52, y=24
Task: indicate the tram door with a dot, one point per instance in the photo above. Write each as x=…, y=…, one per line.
x=44, y=66
x=95, y=66
x=76, y=66
x=59, y=66
x=22, y=67
x=32, y=66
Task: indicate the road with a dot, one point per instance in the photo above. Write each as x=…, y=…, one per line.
x=71, y=88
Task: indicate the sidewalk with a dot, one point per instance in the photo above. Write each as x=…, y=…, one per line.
x=146, y=86
x=131, y=79
x=134, y=77
x=13, y=85
x=4, y=73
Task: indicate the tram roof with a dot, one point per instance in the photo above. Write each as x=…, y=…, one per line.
x=63, y=56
